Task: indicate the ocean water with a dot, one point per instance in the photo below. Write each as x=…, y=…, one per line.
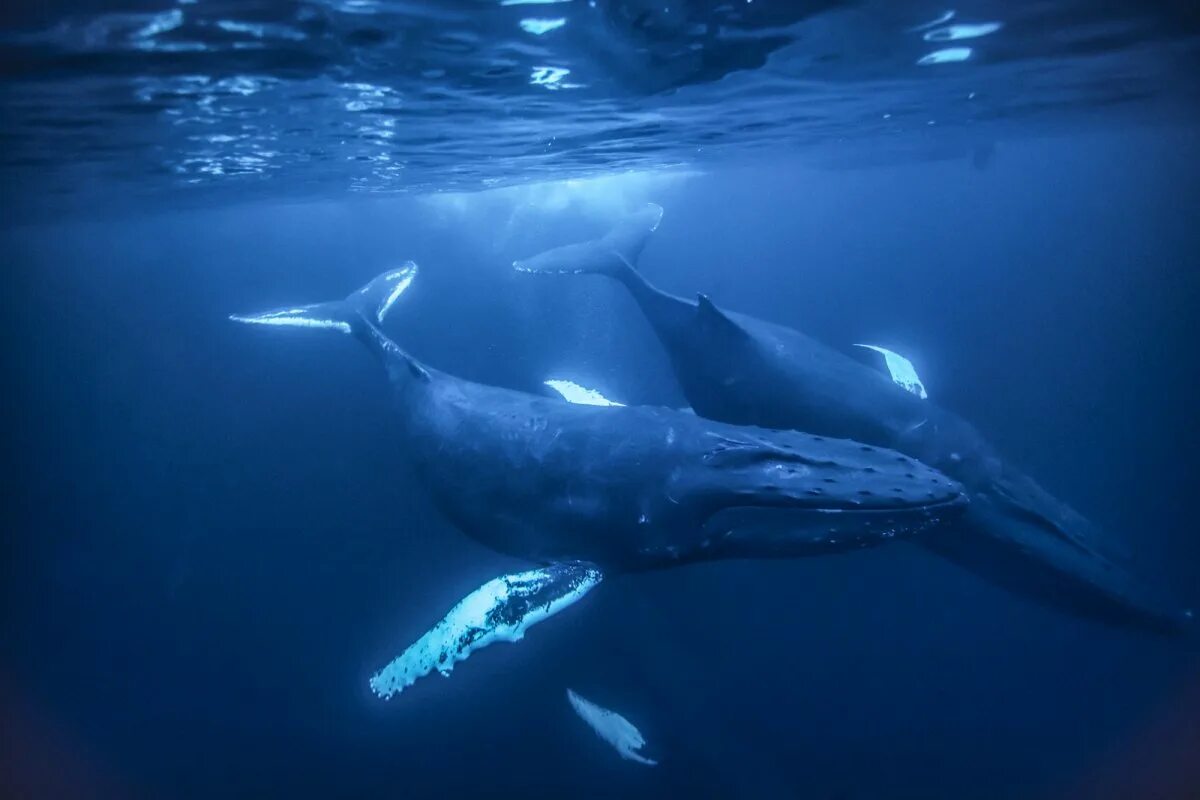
x=212, y=538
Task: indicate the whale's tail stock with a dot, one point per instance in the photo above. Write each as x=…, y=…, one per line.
x=614, y=254
x=360, y=314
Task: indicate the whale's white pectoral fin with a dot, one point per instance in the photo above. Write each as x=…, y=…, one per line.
x=612, y=728
x=499, y=611
x=901, y=369
x=574, y=393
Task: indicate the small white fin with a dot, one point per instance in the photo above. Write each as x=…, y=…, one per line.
x=901, y=369
x=612, y=728
x=574, y=393
x=499, y=611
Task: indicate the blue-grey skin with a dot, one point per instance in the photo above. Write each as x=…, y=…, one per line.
x=631, y=488
x=738, y=369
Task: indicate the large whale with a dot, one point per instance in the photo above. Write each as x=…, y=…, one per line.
x=582, y=491
x=742, y=370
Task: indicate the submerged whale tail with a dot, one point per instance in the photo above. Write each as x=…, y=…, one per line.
x=359, y=315
x=367, y=306
x=614, y=254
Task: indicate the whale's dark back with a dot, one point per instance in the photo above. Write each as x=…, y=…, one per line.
x=632, y=487
x=738, y=369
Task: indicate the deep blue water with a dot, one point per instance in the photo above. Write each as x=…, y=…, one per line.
x=211, y=541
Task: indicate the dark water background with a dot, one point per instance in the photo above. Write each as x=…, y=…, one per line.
x=211, y=542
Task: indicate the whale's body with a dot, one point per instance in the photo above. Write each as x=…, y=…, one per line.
x=642, y=487
x=587, y=490
x=738, y=369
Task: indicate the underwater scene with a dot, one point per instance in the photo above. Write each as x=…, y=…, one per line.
x=600, y=399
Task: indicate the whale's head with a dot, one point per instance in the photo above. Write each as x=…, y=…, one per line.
x=769, y=493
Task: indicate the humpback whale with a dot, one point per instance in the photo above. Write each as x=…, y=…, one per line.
x=587, y=490
x=735, y=368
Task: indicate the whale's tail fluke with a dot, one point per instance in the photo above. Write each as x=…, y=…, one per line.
x=360, y=315
x=370, y=304
x=614, y=254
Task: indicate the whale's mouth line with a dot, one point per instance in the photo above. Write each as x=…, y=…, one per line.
x=848, y=507
x=913, y=514
x=954, y=502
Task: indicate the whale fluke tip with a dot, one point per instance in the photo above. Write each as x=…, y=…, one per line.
x=614, y=254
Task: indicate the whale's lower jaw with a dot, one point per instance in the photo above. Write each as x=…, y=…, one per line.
x=1020, y=557
x=766, y=532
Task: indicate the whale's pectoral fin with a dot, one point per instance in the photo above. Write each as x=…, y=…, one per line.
x=901, y=370
x=715, y=319
x=1025, y=499
x=610, y=726
x=499, y=611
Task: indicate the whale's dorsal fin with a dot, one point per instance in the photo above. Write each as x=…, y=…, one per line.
x=900, y=370
x=572, y=392
x=716, y=319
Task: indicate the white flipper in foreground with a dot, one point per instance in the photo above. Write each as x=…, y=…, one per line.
x=903, y=373
x=572, y=392
x=499, y=611
x=612, y=728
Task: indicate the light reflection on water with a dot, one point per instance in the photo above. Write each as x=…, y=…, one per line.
x=378, y=96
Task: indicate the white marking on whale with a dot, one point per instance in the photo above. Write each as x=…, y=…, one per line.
x=903, y=373
x=612, y=728
x=942, y=20
x=949, y=55
x=952, y=33
x=539, y=26
x=574, y=393
x=501, y=610
x=292, y=317
x=403, y=277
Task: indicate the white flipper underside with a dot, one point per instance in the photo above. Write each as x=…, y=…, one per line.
x=499, y=611
x=612, y=728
